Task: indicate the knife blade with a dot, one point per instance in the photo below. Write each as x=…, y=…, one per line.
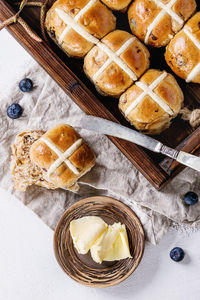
x=107, y=127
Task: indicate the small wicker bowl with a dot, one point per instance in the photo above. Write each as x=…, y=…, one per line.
x=82, y=268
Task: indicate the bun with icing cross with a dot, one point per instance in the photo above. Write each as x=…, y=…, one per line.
x=117, y=61
x=63, y=155
x=120, y=5
x=155, y=22
x=183, y=52
x=152, y=102
x=76, y=26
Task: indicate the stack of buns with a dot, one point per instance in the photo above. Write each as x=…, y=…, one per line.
x=114, y=60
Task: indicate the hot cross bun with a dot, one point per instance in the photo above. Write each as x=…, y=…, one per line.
x=120, y=5
x=63, y=155
x=76, y=26
x=152, y=102
x=155, y=22
x=116, y=62
x=183, y=52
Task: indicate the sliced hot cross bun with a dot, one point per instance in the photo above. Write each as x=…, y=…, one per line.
x=24, y=172
x=183, y=52
x=63, y=155
x=155, y=22
x=77, y=25
x=116, y=62
x=152, y=102
x=120, y=5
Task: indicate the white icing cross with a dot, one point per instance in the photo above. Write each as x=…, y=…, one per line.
x=62, y=156
x=115, y=58
x=148, y=90
x=165, y=9
x=72, y=23
x=196, y=69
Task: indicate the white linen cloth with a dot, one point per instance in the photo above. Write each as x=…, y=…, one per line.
x=113, y=175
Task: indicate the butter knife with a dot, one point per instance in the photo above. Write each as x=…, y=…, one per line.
x=104, y=126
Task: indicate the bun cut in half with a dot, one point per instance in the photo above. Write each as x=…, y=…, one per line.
x=64, y=155
x=24, y=172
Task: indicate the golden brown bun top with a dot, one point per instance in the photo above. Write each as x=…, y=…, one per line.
x=136, y=56
x=62, y=136
x=113, y=80
x=194, y=25
x=117, y=4
x=143, y=12
x=182, y=54
x=148, y=114
x=98, y=20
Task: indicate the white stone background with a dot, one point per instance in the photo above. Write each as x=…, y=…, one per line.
x=28, y=268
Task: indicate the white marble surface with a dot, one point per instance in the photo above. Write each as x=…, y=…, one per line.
x=28, y=269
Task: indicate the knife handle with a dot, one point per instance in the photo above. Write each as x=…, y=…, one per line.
x=184, y=158
x=169, y=151
x=190, y=144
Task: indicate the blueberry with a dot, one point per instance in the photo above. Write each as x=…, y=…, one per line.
x=177, y=254
x=26, y=85
x=14, y=111
x=190, y=198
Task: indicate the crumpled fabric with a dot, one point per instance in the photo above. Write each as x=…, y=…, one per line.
x=113, y=175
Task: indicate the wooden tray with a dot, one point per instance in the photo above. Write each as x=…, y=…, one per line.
x=68, y=73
